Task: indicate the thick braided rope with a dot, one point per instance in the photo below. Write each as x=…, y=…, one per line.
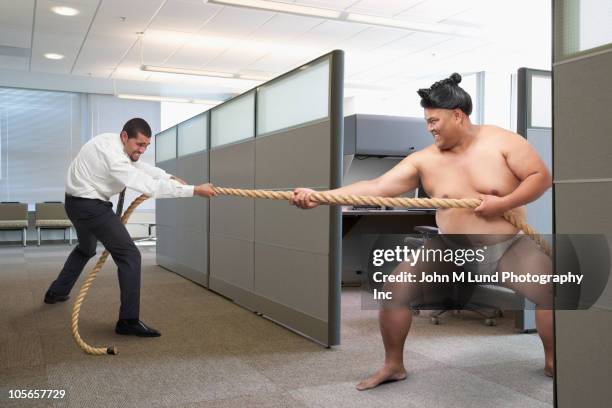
x=76, y=308
x=402, y=202
x=322, y=198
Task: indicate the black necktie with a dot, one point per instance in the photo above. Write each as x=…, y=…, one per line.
x=120, y=202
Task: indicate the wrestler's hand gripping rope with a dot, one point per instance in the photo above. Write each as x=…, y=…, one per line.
x=319, y=197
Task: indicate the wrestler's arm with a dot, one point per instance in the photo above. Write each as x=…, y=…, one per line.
x=401, y=178
x=528, y=167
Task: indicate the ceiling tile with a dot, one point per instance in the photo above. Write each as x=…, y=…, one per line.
x=285, y=26
x=59, y=34
x=184, y=15
x=113, y=32
x=194, y=55
x=387, y=8
x=372, y=38
x=236, y=22
x=413, y=42
x=234, y=60
x=188, y=33
x=435, y=10
x=114, y=17
x=329, y=33
x=16, y=23
x=276, y=64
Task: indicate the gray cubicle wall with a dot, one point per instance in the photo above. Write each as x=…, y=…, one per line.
x=165, y=209
x=582, y=146
x=266, y=255
x=192, y=213
x=232, y=164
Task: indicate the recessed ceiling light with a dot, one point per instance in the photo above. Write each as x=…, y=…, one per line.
x=54, y=56
x=65, y=11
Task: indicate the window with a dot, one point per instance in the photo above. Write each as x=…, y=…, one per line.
x=40, y=133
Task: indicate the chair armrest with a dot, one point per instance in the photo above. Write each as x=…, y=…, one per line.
x=426, y=230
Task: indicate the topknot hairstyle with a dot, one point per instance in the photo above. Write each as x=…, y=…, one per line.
x=446, y=94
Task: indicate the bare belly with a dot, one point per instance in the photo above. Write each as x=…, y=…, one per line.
x=465, y=221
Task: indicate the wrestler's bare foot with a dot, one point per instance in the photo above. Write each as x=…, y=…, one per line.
x=385, y=374
x=548, y=370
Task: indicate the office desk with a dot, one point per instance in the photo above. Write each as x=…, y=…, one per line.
x=386, y=221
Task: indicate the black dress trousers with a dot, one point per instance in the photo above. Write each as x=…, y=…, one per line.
x=94, y=220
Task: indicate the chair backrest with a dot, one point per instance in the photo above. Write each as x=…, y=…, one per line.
x=13, y=211
x=51, y=211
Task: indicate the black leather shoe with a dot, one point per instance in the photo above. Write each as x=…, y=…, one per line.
x=52, y=297
x=136, y=329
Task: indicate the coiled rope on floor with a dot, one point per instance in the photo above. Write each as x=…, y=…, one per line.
x=319, y=197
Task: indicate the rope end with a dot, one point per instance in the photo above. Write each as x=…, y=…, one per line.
x=111, y=350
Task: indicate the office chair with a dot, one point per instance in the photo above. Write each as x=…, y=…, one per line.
x=462, y=298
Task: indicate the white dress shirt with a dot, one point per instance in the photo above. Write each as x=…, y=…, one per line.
x=102, y=169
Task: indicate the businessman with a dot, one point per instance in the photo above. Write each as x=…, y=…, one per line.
x=105, y=166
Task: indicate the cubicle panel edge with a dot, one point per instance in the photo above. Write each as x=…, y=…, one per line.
x=336, y=116
x=539, y=212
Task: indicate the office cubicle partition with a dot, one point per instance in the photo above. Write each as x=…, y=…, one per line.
x=192, y=214
x=182, y=223
x=232, y=164
x=582, y=149
x=298, y=253
x=265, y=255
x=165, y=211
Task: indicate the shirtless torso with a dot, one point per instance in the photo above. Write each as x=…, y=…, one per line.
x=479, y=169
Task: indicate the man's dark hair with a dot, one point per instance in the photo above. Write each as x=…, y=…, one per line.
x=135, y=126
x=446, y=94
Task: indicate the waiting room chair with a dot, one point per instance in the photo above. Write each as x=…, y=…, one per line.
x=14, y=216
x=52, y=215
